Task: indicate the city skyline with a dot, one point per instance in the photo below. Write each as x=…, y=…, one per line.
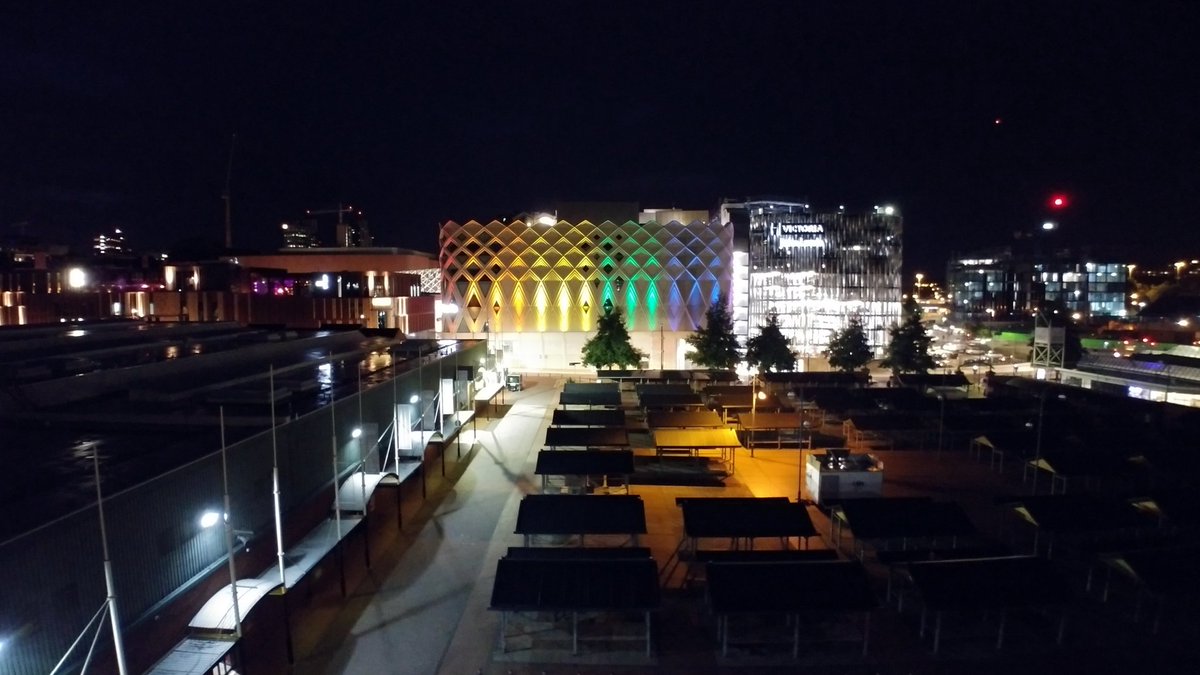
x=967, y=118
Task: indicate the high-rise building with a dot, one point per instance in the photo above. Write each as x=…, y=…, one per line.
x=299, y=235
x=343, y=227
x=109, y=244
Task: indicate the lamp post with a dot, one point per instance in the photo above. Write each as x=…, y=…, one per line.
x=800, y=451
x=755, y=395
x=941, y=397
x=499, y=338
x=1037, y=446
x=237, y=613
x=109, y=582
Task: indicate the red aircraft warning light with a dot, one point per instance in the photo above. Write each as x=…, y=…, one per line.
x=1058, y=201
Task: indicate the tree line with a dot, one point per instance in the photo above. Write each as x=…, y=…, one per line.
x=717, y=348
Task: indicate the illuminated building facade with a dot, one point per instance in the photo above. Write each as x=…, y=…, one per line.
x=538, y=287
x=110, y=244
x=1013, y=281
x=817, y=270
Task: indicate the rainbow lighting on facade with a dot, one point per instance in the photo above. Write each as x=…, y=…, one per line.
x=538, y=287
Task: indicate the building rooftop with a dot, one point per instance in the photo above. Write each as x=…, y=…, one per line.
x=150, y=398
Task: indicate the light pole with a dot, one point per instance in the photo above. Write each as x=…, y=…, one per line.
x=755, y=395
x=109, y=582
x=237, y=613
x=1037, y=446
x=499, y=338
x=800, y=452
x=941, y=397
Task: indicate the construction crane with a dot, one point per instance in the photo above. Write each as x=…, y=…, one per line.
x=226, y=197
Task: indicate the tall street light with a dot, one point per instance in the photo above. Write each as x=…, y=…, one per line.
x=109, y=582
x=755, y=395
x=800, y=451
x=941, y=397
x=1037, y=448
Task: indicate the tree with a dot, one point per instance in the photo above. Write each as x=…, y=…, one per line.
x=908, y=351
x=715, y=344
x=848, y=348
x=770, y=350
x=610, y=345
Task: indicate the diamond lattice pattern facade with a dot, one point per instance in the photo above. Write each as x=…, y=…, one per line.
x=517, y=278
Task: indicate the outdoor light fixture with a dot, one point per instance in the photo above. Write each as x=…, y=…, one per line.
x=586, y=307
x=1048, y=225
x=608, y=306
x=356, y=433
x=76, y=278
x=414, y=398
x=209, y=519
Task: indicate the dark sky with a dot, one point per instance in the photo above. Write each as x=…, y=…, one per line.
x=422, y=112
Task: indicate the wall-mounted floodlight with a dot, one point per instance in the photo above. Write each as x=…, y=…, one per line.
x=209, y=519
x=76, y=278
x=356, y=433
x=414, y=398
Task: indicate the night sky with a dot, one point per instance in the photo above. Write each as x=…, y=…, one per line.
x=469, y=110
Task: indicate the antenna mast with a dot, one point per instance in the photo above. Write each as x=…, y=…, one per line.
x=226, y=197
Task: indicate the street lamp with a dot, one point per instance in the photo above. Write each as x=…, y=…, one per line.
x=917, y=287
x=1037, y=448
x=109, y=578
x=941, y=397
x=800, y=450
x=756, y=395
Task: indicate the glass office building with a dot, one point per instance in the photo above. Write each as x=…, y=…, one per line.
x=1009, y=283
x=818, y=270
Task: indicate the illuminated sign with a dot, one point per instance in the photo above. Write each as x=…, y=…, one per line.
x=801, y=228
